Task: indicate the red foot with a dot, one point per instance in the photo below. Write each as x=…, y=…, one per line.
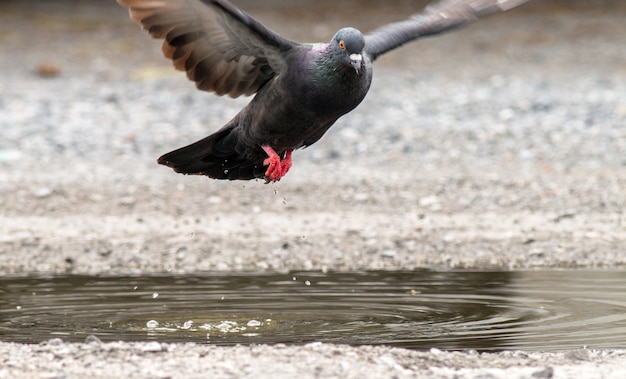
x=286, y=162
x=276, y=168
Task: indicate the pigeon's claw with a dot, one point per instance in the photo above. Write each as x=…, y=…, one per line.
x=277, y=168
x=285, y=164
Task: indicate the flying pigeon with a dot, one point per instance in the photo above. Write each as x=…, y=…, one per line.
x=301, y=88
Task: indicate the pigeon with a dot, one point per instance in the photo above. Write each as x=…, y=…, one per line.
x=300, y=89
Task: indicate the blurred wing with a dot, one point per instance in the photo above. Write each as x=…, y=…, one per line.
x=437, y=17
x=222, y=48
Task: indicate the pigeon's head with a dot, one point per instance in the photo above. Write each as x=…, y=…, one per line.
x=348, y=43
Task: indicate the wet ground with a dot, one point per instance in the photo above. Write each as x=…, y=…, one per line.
x=497, y=148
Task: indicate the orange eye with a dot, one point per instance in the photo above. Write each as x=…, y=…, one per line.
x=342, y=45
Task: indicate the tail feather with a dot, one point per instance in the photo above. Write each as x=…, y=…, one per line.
x=215, y=157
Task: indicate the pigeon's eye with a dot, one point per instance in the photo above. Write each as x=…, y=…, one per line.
x=342, y=45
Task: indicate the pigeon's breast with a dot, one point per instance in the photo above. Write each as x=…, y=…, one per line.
x=295, y=109
x=334, y=91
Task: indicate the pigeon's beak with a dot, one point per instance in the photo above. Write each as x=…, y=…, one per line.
x=355, y=61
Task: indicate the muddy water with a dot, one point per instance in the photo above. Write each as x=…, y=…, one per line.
x=546, y=310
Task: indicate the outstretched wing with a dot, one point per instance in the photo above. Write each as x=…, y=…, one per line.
x=222, y=48
x=437, y=17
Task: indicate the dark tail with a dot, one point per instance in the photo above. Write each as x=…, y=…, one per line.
x=215, y=157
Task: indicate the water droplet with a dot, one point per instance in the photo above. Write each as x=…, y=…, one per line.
x=254, y=323
x=152, y=324
x=155, y=295
x=294, y=278
x=228, y=327
x=18, y=307
x=187, y=324
x=307, y=283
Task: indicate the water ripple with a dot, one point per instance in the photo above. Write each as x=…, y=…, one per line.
x=485, y=311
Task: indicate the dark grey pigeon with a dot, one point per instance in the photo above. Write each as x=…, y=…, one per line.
x=301, y=89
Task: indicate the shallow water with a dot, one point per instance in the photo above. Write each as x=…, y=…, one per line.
x=539, y=310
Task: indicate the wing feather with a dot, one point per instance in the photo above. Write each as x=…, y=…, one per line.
x=437, y=17
x=221, y=48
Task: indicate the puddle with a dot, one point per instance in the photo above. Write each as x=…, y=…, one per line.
x=486, y=311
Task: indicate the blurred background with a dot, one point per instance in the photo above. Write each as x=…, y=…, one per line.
x=540, y=86
x=521, y=114
x=95, y=34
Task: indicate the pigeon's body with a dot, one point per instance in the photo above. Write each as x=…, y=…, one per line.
x=301, y=89
x=318, y=94
x=291, y=122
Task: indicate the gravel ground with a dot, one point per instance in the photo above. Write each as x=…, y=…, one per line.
x=56, y=359
x=500, y=147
